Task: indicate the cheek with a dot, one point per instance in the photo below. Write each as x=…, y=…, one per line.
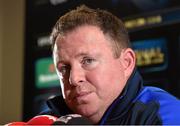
x=106, y=79
x=106, y=74
x=94, y=78
x=100, y=80
x=67, y=88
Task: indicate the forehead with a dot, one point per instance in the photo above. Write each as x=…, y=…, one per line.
x=82, y=40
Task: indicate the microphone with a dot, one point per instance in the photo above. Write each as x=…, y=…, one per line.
x=42, y=120
x=37, y=120
x=16, y=123
x=72, y=119
x=48, y=120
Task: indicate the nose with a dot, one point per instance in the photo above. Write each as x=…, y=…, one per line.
x=77, y=76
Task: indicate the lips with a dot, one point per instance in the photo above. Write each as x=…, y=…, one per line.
x=81, y=96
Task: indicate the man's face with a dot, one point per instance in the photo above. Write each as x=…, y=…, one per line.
x=92, y=77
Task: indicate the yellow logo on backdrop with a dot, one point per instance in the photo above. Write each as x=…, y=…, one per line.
x=149, y=56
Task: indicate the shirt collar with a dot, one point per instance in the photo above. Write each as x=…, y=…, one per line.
x=120, y=106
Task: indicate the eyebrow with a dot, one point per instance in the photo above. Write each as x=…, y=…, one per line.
x=76, y=56
x=82, y=54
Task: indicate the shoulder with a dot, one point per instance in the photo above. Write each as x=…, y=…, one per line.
x=153, y=93
x=169, y=105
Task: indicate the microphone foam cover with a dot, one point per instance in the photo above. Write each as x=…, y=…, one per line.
x=42, y=120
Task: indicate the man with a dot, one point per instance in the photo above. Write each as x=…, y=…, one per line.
x=99, y=80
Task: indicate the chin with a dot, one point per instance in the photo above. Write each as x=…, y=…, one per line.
x=90, y=113
x=85, y=110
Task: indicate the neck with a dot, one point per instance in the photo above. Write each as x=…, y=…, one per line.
x=95, y=118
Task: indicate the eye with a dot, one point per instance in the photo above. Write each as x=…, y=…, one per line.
x=87, y=61
x=64, y=69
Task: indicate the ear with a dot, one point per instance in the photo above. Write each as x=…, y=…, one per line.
x=128, y=60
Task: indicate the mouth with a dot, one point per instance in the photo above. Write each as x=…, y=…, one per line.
x=82, y=96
